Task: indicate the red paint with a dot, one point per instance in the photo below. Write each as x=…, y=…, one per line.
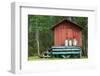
x=66, y=30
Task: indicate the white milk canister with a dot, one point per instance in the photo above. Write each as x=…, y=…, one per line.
x=70, y=42
x=74, y=42
x=66, y=42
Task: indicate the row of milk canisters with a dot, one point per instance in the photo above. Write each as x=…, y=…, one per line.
x=71, y=42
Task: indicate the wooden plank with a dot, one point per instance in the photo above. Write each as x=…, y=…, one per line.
x=65, y=52
x=63, y=49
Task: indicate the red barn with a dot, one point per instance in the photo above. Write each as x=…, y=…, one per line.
x=66, y=30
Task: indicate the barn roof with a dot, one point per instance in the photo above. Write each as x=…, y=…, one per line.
x=66, y=21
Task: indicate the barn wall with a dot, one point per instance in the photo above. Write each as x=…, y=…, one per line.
x=75, y=32
x=66, y=31
x=59, y=35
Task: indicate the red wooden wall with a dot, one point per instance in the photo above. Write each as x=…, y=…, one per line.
x=65, y=31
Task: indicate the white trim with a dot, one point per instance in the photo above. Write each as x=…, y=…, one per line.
x=15, y=51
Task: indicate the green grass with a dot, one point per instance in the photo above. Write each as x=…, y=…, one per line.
x=31, y=58
x=38, y=58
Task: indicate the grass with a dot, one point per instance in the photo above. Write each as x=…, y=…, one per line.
x=38, y=58
x=31, y=58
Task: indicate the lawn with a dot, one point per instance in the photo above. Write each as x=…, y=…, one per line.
x=31, y=58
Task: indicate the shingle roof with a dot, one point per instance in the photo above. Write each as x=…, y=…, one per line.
x=66, y=21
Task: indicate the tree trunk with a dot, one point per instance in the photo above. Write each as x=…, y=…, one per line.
x=37, y=40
